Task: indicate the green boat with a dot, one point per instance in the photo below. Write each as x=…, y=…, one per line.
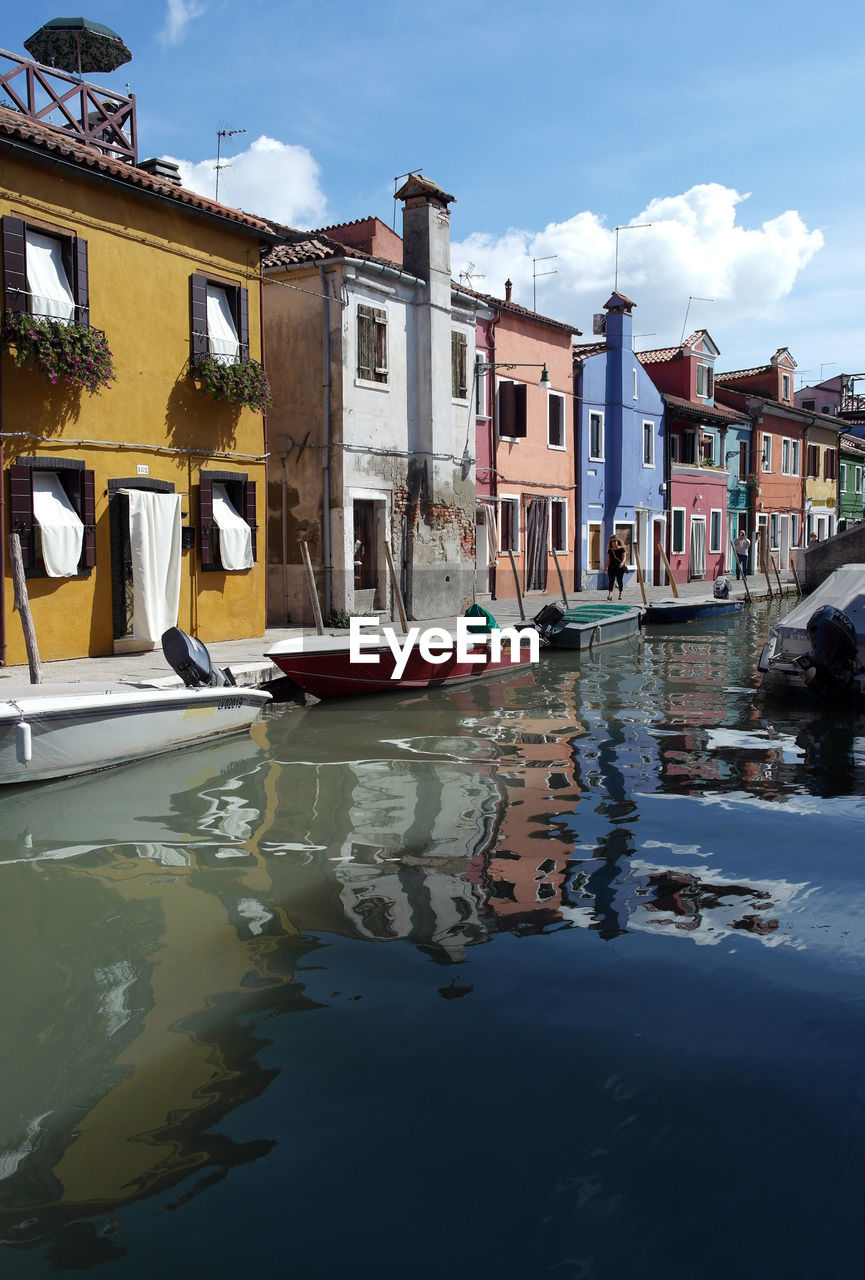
x=587, y=625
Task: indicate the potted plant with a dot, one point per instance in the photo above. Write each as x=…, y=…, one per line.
x=242, y=382
x=73, y=353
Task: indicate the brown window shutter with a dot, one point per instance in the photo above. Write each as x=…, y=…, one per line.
x=365, y=343
x=88, y=518
x=507, y=414
x=205, y=519
x=197, y=319
x=380, y=320
x=520, y=409
x=249, y=514
x=14, y=266
x=243, y=323
x=21, y=509
x=81, y=283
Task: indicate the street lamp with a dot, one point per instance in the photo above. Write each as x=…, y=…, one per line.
x=486, y=366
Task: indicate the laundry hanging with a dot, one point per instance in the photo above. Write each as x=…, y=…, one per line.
x=235, y=535
x=154, y=538
x=62, y=532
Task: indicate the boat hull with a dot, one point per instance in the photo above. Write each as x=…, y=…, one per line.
x=787, y=662
x=587, y=627
x=664, y=611
x=326, y=670
x=57, y=731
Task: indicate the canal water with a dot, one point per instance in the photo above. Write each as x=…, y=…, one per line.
x=558, y=975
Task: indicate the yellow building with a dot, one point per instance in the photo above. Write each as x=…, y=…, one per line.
x=137, y=505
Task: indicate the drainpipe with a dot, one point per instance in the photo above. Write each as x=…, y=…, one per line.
x=2, y=539
x=325, y=466
x=263, y=549
x=494, y=440
x=578, y=487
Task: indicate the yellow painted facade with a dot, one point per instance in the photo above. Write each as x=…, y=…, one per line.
x=144, y=243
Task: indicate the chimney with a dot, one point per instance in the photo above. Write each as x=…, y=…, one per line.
x=162, y=170
x=508, y=290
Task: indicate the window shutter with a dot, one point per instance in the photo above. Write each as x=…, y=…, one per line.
x=243, y=323
x=380, y=344
x=21, y=510
x=14, y=266
x=88, y=518
x=249, y=514
x=365, y=343
x=520, y=403
x=507, y=415
x=80, y=282
x=197, y=319
x=205, y=519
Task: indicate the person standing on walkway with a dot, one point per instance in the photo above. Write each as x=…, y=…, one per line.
x=616, y=554
x=742, y=546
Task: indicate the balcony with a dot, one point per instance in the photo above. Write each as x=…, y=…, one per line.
x=99, y=118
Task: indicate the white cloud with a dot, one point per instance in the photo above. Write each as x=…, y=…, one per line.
x=694, y=248
x=271, y=178
x=178, y=16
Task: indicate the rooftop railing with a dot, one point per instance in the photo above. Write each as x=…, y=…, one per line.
x=97, y=117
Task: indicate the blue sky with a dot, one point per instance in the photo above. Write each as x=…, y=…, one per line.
x=732, y=128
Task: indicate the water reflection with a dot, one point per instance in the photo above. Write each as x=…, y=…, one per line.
x=155, y=919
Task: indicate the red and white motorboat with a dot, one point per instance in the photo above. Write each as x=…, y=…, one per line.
x=323, y=665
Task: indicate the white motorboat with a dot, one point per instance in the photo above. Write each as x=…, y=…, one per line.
x=819, y=647
x=57, y=730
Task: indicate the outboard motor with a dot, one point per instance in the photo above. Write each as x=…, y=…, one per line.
x=833, y=661
x=721, y=589
x=549, y=618
x=191, y=661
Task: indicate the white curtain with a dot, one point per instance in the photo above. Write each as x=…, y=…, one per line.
x=698, y=548
x=221, y=333
x=46, y=278
x=235, y=535
x=61, y=528
x=154, y=536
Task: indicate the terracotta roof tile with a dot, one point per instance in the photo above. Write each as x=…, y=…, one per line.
x=514, y=309
x=659, y=355
x=42, y=138
x=742, y=373
x=582, y=350
x=710, y=413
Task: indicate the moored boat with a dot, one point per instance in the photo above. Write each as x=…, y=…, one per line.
x=683, y=609
x=587, y=625
x=330, y=666
x=818, y=648
x=58, y=730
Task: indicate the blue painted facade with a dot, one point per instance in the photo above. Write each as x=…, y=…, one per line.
x=619, y=420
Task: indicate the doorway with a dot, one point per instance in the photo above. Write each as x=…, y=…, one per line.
x=697, y=558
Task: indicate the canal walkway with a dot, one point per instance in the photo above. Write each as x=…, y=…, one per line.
x=248, y=663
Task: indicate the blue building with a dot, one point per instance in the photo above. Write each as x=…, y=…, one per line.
x=619, y=425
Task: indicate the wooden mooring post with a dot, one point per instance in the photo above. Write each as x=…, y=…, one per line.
x=313, y=590
x=22, y=604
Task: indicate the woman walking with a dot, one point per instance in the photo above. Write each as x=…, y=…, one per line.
x=616, y=554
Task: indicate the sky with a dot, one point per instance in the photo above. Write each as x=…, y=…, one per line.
x=732, y=129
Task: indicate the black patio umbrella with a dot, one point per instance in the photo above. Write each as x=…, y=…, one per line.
x=77, y=44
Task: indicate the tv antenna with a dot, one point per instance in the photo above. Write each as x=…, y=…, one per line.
x=551, y=257
x=470, y=273
x=692, y=298
x=631, y=226
x=220, y=134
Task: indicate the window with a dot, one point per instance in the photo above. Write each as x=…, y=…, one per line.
x=774, y=525
x=785, y=457
x=813, y=460
x=45, y=273
x=596, y=436
x=512, y=410
x=677, y=541
x=558, y=524
x=675, y=447
x=842, y=480
x=743, y=459
x=701, y=374
x=794, y=462
x=509, y=524
x=625, y=534
x=219, y=320
x=857, y=480
x=829, y=462
x=794, y=530
x=482, y=406
x=371, y=343
x=766, y=463
x=226, y=499
x=648, y=443
x=715, y=534
x=64, y=490
x=707, y=448
x=555, y=421
x=809, y=404
x=459, y=351
x=785, y=386
x=689, y=448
